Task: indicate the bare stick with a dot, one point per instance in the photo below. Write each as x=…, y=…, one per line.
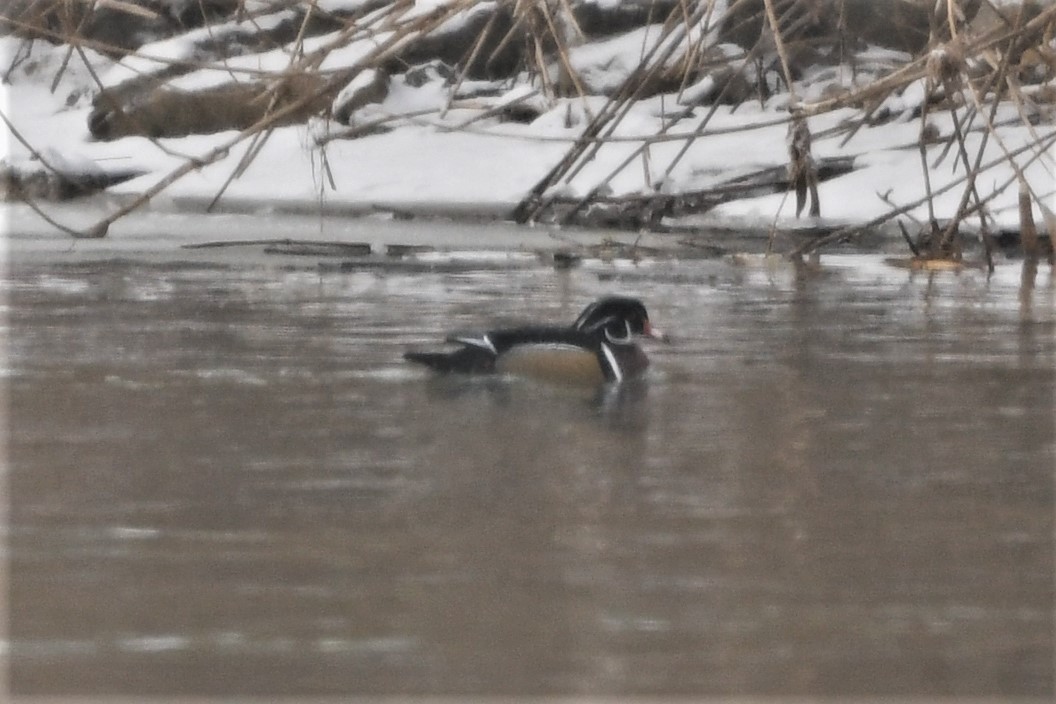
x=102, y=226
x=585, y=147
x=1047, y=142
x=782, y=53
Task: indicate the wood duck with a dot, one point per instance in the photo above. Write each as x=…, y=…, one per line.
x=598, y=347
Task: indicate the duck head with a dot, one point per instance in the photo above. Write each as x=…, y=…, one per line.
x=618, y=318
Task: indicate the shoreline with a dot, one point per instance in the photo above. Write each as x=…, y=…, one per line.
x=240, y=231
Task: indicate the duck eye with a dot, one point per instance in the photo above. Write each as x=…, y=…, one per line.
x=618, y=331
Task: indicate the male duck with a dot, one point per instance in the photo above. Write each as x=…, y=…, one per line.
x=598, y=347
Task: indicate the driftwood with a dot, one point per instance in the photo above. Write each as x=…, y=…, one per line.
x=497, y=35
x=148, y=106
x=167, y=112
x=54, y=185
x=315, y=248
x=637, y=211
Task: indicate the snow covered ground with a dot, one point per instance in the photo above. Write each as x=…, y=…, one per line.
x=452, y=156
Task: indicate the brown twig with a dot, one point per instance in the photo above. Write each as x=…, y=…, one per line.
x=428, y=20
x=843, y=233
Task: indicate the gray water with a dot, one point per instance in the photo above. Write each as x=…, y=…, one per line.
x=224, y=480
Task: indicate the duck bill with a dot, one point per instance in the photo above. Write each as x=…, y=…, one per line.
x=655, y=333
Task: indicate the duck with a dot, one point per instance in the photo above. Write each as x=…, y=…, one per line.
x=600, y=346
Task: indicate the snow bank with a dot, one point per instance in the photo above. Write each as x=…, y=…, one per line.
x=464, y=152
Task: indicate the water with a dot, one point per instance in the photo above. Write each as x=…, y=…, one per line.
x=224, y=480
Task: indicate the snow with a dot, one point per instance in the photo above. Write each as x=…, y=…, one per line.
x=461, y=154
x=360, y=83
x=411, y=164
x=911, y=98
x=405, y=99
